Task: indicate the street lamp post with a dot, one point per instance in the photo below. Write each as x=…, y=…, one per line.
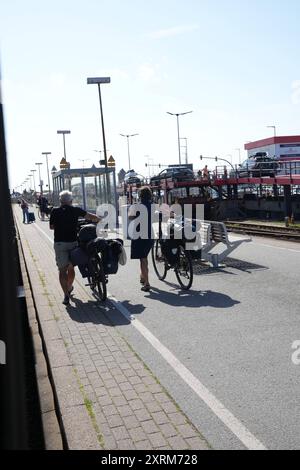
x=274, y=128
x=41, y=186
x=33, y=171
x=98, y=81
x=186, y=152
x=53, y=171
x=128, y=135
x=63, y=134
x=178, y=136
x=46, y=154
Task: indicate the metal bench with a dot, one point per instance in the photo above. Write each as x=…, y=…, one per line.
x=214, y=234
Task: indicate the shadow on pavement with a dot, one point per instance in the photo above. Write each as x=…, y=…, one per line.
x=192, y=298
x=100, y=313
x=240, y=265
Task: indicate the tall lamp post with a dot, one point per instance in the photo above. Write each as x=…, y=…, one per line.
x=98, y=81
x=64, y=141
x=185, y=146
x=46, y=154
x=33, y=171
x=41, y=185
x=128, y=151
x=274, y=128
x=178, y=135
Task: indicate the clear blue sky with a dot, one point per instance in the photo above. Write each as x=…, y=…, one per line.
x=235, y=63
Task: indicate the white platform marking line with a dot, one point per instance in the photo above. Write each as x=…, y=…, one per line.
x=42, y=231
x=230, y=421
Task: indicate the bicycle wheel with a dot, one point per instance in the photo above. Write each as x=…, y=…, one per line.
x=184, y=269
x=98, y=283
x=159, y=261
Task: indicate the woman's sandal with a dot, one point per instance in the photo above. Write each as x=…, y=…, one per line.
x=146, y=288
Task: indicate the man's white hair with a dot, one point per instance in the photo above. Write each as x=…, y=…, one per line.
x=65, y=197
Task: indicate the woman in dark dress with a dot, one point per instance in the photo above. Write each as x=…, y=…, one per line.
x=140, y=248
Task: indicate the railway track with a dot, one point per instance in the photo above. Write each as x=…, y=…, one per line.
x=283, y=233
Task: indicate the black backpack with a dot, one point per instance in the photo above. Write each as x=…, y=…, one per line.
x=87, y=233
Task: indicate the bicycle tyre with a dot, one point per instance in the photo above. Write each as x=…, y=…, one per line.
x=161, y=275
x=189, y=266
x=99, y=279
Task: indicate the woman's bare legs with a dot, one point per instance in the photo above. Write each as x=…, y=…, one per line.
x=145, y=271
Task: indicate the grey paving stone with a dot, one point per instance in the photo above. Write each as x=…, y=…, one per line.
x=109, y=410
x=186, y=430
x=126, y=386
x=125, y=444
x=130, y=394
x=153, y=406
x=115, y=421
x=137, y=434
x=120, y=433
x=143, y=445
x=119, y=400
x=177, y=418
x=142, y=415
x=149, y=427
x=177, y=443
x=131, y=422
x=105, y=400
x=136, y=404
x=161, y=418
x=157, y=440
x=125, y=410
x=196, y=443
x=168, y=430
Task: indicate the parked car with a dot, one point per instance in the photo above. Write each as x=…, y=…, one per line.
x=177, y=173
x=132, y=177
x=256, y=166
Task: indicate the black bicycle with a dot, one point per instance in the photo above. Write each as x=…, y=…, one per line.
x=97, y=279
x=89, y=258
x=170, y=253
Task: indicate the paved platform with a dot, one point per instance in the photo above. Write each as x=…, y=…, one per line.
x=108, y=398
